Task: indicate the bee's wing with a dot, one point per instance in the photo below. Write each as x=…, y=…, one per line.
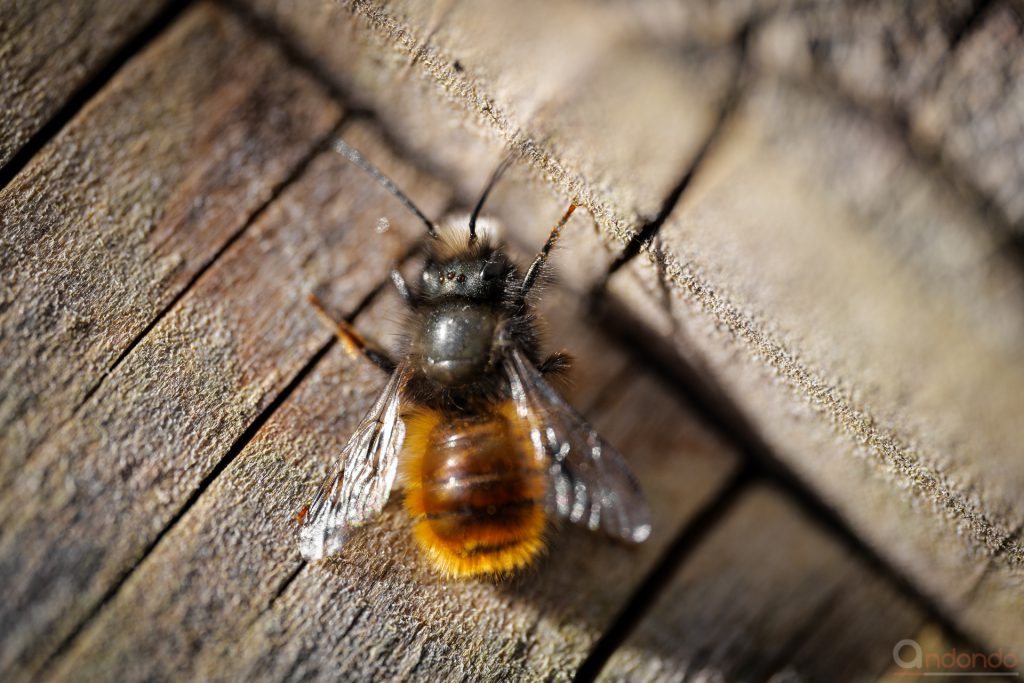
x=361, y=484
x=590, y=483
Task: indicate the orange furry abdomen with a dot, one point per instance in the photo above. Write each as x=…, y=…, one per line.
x=475, y=490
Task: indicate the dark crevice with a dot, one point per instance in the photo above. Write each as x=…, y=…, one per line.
x=972, y=21
x=649, y=230
x=646, y=595
x=288, y=581
x=293, y=54
x=356, y=109
x=646, y=234
x=715, y=408
x=80, y=97
x=336, y=88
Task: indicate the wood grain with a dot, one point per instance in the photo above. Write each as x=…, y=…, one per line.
x=84, y=510
x=119, y=212
x=768, y=594
x=49, y=50
x=815, y=271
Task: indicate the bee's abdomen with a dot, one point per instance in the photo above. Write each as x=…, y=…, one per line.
x=475, y=491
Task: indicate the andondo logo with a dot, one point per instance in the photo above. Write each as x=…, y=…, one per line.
x=917, y=661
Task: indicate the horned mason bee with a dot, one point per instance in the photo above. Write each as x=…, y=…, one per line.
x=486, y=448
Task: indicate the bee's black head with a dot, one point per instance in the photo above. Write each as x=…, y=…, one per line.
x=477, y=270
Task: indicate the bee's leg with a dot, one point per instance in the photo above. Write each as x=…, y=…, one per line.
x=353, y=342
x=556, y=364
x=542, y=257
x=403, y=288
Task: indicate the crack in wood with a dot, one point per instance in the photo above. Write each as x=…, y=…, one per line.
x=288, y=581
x=647, y=593
x=80, y=97
x=970, y=23
x=646, y=235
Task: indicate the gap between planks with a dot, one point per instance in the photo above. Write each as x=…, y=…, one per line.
x=647, y=593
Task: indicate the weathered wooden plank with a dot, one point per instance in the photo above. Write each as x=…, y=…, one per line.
x=221, y=566
x=767, y=593
x=49, y=50
x=83, y=511
x=892, y=369
x=121, y=210
x=554, y=81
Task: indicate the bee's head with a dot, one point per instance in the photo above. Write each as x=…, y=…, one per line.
x=461, y=266
x=476, y=274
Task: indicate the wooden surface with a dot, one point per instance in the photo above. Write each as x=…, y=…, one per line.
x=853, y=287
x=766, y=571
x=49, y=50
x=169, y=400
x=119, y=213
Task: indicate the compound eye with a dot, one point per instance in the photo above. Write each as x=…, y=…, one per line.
x=492, y=269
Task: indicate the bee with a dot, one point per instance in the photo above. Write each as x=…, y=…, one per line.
x=489, y=453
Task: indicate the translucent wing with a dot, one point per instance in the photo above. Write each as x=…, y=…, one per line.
x=360, y=486
x=590, y=483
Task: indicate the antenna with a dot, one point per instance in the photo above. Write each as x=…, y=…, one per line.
x=542, y=257
x=342, y=148
x=505, y=163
